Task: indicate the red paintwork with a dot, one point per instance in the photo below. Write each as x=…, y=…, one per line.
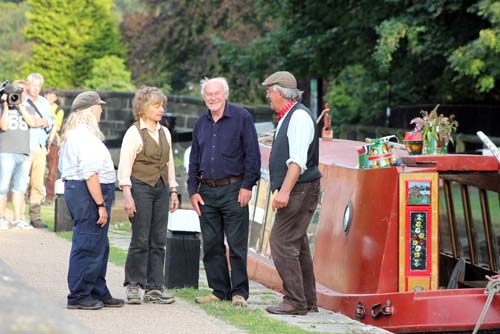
x=363, y=265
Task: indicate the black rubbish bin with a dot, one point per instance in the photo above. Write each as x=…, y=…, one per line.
x=182, y=260
x=62, y=218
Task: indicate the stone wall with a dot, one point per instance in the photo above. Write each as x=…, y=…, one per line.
x=117, y=112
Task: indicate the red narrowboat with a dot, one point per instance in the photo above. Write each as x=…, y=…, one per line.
x=406, y=248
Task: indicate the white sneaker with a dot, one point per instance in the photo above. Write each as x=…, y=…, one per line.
x=22, y=225
x=4, y=224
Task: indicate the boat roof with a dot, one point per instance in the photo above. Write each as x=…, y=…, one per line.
x=342, y=152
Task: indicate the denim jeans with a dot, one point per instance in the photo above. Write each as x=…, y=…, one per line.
x=14, y=167
x=146, y=253
x=222, y=215
x=88, y=260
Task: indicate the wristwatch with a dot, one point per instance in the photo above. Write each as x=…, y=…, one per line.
x=101, y=205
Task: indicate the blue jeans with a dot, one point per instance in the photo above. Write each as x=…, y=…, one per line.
x=146, y=253
x=15, y=167
x=222, y=216
x=88, y=260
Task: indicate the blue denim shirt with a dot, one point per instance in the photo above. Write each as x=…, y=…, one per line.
x=38, y=136
x=228, y=147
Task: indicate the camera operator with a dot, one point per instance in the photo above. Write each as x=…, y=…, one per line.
x=15, y=121
x=38, y=146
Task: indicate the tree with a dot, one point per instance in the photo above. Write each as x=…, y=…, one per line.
x=404, y=45
x=479, y=59
x=109, y=73
x=67, y=36
x=14, y=50
x=176, y=42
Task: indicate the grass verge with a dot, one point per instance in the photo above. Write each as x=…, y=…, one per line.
x=252, y=320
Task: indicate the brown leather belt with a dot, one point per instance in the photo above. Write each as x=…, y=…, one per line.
x=220, y=182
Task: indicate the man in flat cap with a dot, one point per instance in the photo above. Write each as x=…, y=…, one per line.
x=295, y=182
x=89, y=184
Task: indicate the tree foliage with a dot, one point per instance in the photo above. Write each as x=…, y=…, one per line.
x=109, y=73
x=14, y=50
x=370, y=54
x=176, y=42
x=479, y=59
x=67, y=36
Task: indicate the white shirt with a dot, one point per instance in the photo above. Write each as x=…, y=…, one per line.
x=300, y=135
x=83, y=155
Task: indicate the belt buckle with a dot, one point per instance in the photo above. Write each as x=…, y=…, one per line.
x=211, y=183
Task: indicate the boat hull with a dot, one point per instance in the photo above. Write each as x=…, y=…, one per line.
x=358, y=264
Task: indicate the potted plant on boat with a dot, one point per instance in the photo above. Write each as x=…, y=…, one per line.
x=436, y=130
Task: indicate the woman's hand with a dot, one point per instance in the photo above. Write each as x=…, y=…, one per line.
x=129, y=204
x=174, y=202
x=103, y=216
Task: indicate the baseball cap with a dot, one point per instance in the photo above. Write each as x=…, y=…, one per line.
x=86, y=100
x=281, y=78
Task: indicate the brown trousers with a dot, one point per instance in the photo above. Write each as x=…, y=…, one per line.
x=290, y=245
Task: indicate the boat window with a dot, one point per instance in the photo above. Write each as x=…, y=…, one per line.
x=460, y=226
x=444, y=227
x=477, y=227
x=265, y=248
x=493, y=199
x=312, y=229
x=257, y=218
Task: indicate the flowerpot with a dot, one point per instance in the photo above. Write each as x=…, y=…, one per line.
x=413, y=142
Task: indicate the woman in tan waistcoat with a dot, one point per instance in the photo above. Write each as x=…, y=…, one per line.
x=147, y=177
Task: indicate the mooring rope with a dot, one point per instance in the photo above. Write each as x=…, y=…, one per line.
x=492, y=288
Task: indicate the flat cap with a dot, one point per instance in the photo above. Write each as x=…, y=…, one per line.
x=281, y=78
x=86, y=100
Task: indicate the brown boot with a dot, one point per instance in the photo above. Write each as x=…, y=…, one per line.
x=35, y=219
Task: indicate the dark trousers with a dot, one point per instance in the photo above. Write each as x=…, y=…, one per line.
x=290, y=245
x=146, y=253
x=88, y=260
x=50, y=181
x=222, y=215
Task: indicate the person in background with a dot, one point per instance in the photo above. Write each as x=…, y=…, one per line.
x=295, y=182
x=14, y=156
x=38, y=146
x=146, y=175
x=89, y=184
x=53, y=150
x=224, y=165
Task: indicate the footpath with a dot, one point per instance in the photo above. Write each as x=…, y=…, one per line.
x=33, y=289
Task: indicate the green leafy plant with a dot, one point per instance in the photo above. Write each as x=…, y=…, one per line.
x=435, y=126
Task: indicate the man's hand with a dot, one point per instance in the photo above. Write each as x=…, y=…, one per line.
x=196, y=200
x=244, y=197
x=281, y=199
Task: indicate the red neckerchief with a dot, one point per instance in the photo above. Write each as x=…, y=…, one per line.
x=285, y=109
